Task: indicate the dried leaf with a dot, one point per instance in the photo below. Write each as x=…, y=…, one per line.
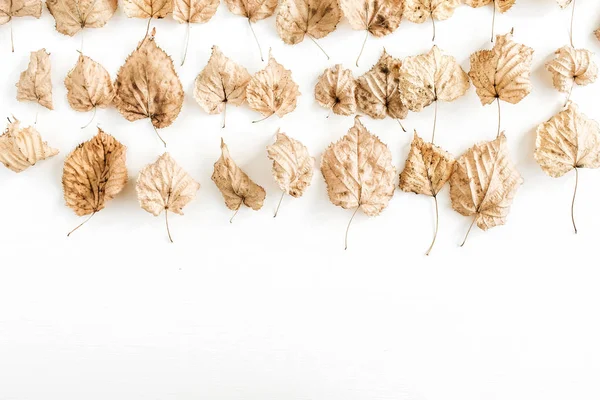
x=34, y=83
x=500, y=5
x=272, y=90
x=484, y=183
x=502, y=72
x=572, y=66
x=72, y=16
x=335, y=89
x=165, y=186
x=94, y=173
x=147, y=8
x=358, y=172
x=235, y=186
x=21, y=148
x=254, y=10
x=194, y=11
x=377, y=93
x=147, y=86
x=220, y=83
x=418, y=11
x=19, y=8
x=89, y=85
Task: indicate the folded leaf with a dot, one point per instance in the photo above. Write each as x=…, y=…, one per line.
x=89, y=85
x=72, y=16
x=21, y=148
x=34, y=83
x=572, y=66
x=292, y=165
x=335, y=89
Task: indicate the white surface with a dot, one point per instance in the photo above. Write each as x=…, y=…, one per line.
x=275, y=308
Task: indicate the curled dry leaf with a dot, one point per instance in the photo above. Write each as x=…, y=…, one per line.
x=569, y=140
x=358, y=172
x=147, y=9
x=272, y=90
x=235, y=186
x=94, y=173
x=292, y=166
x=313, y=18
x=72, y=16
x=572, y=66
x=147, y=86
x=34, y=83
x=418, y=11
x=21, y=148
x=220, y=83
x=254, y=10
x=377, y=93
x=377, y=17
x=430, y=77
x=335, y=90
x=193, y=11
x=484, y=183
x=426, y=171
x=165, y=186
x=18, y=8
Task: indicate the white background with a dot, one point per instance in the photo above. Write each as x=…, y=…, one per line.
x=275, y=308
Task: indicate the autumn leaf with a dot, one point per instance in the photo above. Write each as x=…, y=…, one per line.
x=147, y=86
x=34, y=83
x=253, y=10
x=572, y=66
x=220, y=83
x=292, y=166
x=272, y=90
x=426, y=171
x=500, y=5
x=72, y=16
x=377, y=17
x=313, y=18
x=89, y=86
x=18, y=8
x=94, y=173
x=569, y=140
x=21, y=148
x=502, y=73
x=377, y=92
x=147, y=9
x=165, y=186
x=193, y=12
x=335, y=90
x=427, y=78
x=418, y=11
x=235, y=186
x=358, y=172
x=484, y=183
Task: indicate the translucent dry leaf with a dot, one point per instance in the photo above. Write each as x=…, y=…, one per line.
x=572, y=66
x=21, y=148
x=34, y=83
x=72, y=16
x=254, y=10
x=89, y=85
x=235, y=186
x=315, y=18
x=220, y=83
x=292, y=165
x=502, y=72
x=272, y=90
x=378, y=17
x=377, y=92
x=19, y=8
x=194, y=11
x=501, y=5
x=147, y=8
x=335, y=90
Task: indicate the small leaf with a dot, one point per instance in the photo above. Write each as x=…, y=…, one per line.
x=572, y=66
x=292, y=165
x=315, y=18
x=253, y=10
x=194, y=11
x=19, y=8
x=34, y=83
x=72, y=16
x=378, y=17
x=335, y=90
x=21, y=148
x=147, y=8
x=89, y=85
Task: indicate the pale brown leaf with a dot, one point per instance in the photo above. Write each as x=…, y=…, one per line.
x=315, y=18
x=21, y=148
x=502, y=72
x=194, y=11
x=292, y=165
x=72, y=16
x=235, y=186
x=254, y=10
x=272, y=90
x=501, y=5
x=34, y=83
x=419, y=11
x=572, y=66
x=19, y=8
x=335, y=89
x=147, y=8
x=94, y=173
x=378, y=17
x=89, y=85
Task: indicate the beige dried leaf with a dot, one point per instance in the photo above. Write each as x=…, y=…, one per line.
x=89, y=85
x=484, y=183
x=418, y=11
x=18, y=8
x=377, y=92
x=165, y=186
x=335, y=90
x=358, y=172
x=502, y=72
x=21, y=148
x=272, y=90
x=147, y=86
x=235, y=186
x=220, y=83
x=500, y=5
x=94, y=173
x=194, y=11
x=72, y=16
x=572, y=66
x=147, y=8
x=254, y=10
x=34, y=83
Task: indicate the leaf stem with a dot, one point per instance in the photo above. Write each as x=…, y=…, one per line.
x=363, y=47
x=348, y=228
x=493, y=20
x=167, y=223
x=279, y=204
x=81, y=224
x=437, y=220
x=81, y=48
x=257, y=43
x=433, y=24
x=262, y=119
x=12, y=42
x=573, y=202
x=224, y=115
x=234, y=214
x=572, y=18
x=570, y=91
x=158, y=134
x=434, y=120
x=401, y=126
x=93, y=116
x=469, y=231
x=315, y=42
x=499, y=115
x=187, y=41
